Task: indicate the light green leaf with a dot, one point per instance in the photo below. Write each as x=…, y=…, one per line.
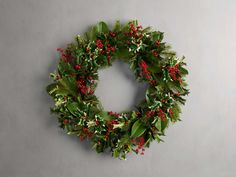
x=117, y=26
x=104, y=115
x=137, y=129
x=161, y=124
x=158, y=124
x=102, y=27
x=120, y=125
x=92, y=34
x=116, y=153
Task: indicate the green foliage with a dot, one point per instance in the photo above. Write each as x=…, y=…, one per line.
x=79, y=111
x=137, y=129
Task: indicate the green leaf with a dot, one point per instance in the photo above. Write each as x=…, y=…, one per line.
x=161, y=124
x=155, y=104
x=147, y=29
x=68, y=84
x=154, y=68
x=73, y=108
x=158, y=138
x=116, y=153
x=102, y=27
x=164, y=124
x=91, y=35
x=117, y=26
x=137, y=129
x=104, y=115
x=158, y=125
x=176, y=112
x=52, y=88
x=183, y=71
x=65, y=68
x=157, y=36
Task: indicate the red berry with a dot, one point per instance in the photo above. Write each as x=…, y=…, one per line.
x=77, y=67
x=158, y=42
x=99, y=44
x=65, y=121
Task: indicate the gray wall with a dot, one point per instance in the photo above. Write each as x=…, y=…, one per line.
x=202, y=145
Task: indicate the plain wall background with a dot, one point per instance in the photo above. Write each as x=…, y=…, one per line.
x=202, y=145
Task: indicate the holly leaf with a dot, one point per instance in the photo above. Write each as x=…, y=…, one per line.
x=183, y=71
x=157, y=36
x=137, y=129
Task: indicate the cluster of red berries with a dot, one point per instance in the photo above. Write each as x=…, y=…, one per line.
x=171, y=112
x=173, y=70
x=64, y=56
x=99, y=44
x=139, y=141
x=150, y=113
x=115, y=114
x=112, y=34
x=161, y=114
x=85, y=133
x=82, y=86
x=110, y=124
x=145, y=71
x=134, y=31
x=108, y=50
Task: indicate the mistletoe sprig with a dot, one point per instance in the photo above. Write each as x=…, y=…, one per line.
x=80, y=112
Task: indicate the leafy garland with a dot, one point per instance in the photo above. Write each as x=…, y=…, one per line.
x=80, y=112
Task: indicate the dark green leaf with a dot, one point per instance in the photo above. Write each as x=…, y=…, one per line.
x=68, y=84
x=183, y=71
x=52, y=88
x=73, y=108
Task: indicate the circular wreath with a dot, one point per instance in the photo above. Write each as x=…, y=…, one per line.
x=80, y=112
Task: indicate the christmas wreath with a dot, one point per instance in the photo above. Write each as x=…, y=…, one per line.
x=80, y=112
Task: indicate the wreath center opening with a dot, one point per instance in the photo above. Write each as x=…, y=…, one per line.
x=118, y=90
